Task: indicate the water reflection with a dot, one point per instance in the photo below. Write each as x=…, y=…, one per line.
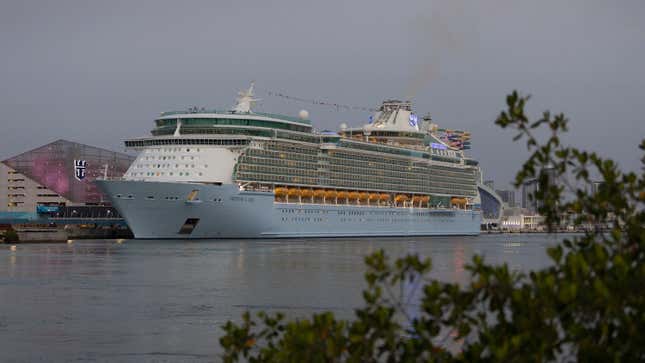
x=100, y=299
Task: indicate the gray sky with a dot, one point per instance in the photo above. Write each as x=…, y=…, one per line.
x=98, y=72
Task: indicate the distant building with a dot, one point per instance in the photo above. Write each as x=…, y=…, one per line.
x=508, y=197
x=530, y=187
x=551, y=175
x=57, y=174
x=596, y=186
x=490, y=184
x=519, y=222
x=528, y=191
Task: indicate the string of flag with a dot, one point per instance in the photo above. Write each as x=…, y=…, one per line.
x=455, y=138
x=337, y=106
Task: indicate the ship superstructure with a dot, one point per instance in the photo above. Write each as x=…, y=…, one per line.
x=239, y=173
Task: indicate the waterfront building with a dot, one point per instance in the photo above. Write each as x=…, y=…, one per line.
x=61, y=173
x=523, y=222
x=491, y=205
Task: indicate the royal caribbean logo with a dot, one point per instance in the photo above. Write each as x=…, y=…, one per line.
x=413, y=120
x=79, y=169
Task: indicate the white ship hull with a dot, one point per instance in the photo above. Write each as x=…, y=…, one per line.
x=161, y=210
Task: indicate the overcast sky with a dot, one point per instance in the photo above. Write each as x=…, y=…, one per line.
x=98, y=72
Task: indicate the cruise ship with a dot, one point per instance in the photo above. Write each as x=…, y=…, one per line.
x=244, y=174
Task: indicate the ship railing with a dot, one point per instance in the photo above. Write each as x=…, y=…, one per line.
x=381, y=206
x=111, y=178
x=228, y=112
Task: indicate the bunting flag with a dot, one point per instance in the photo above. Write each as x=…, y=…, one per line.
x=337, y=106
x=455, y=138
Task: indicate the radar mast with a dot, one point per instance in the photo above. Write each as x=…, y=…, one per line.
x=245, y=100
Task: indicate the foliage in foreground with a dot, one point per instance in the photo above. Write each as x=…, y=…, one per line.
x=588, y=306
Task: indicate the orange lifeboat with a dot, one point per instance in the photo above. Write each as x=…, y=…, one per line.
x=343, y=195
x=280, y=192
x=425, y=199
x=401, y=198
x=353, y=195
x=363, y=196
x=458, y=201
x=373, y=197
x=416, y=199
x=330, y=194
x=293, y=192
x=384, y=197
x=319, y=193
x=306, y=193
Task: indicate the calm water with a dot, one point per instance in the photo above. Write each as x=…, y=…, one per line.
x=166, y=300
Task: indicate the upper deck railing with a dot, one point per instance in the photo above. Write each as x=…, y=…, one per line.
x=264, y=114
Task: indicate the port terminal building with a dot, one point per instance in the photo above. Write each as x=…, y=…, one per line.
x=56, y=181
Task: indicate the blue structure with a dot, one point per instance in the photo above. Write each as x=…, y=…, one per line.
x=10, y=218
x=96, y=215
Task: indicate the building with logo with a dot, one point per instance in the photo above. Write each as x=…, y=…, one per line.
x=61, y=173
